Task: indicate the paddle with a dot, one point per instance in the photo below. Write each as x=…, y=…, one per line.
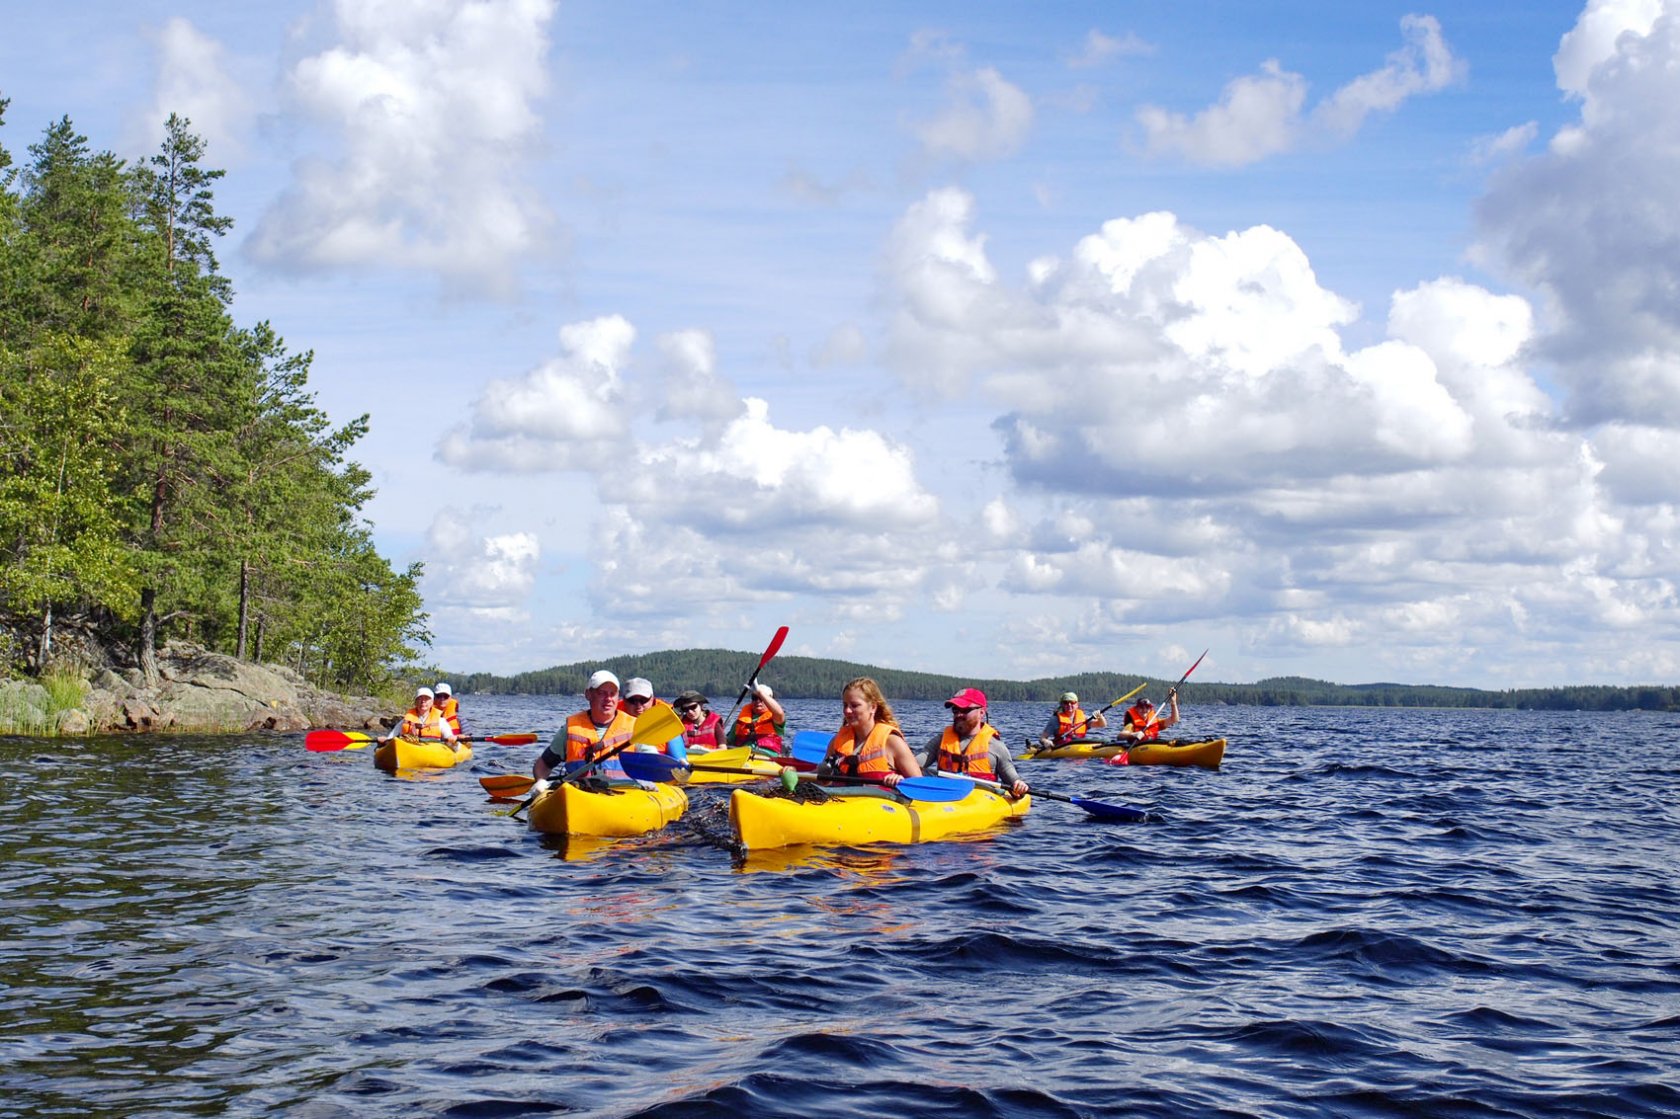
x=809, y=748
x=329, y=741
x=1085, y=723
x=770, y=651
x=657, y=726
x=1099, y=808
x=658, y=767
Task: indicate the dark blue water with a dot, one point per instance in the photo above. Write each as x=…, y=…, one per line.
x=1365, y=912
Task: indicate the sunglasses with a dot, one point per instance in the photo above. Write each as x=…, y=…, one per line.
x=686, y=707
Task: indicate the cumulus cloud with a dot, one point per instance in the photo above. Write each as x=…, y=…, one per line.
x=566, y=414
x=1204, y=444
x=477, y=585
x=1591, y=223
x=433, y=108
x=1261, y=115
x=195, y=79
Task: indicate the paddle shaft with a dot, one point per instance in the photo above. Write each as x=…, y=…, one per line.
x=770, y=651
x=1085, y=723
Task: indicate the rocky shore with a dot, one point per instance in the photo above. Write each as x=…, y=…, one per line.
x=198, y=692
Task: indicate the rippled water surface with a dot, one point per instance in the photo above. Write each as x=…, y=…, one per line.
x=1365, y=912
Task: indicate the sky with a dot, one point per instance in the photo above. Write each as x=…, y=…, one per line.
x=978, y=338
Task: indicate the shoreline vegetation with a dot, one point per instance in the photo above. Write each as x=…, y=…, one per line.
x=720, y=673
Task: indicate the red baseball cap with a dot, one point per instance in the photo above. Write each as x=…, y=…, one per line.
x=967, y=699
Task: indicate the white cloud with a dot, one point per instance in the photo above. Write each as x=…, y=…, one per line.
x=985, y=117
x=567, y=414
x=1261, y=115
x=433, y=107
x=1099, y=48
x=195, y=80
x=1592, y=223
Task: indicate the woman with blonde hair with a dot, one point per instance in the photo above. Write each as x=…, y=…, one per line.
x=869, y=743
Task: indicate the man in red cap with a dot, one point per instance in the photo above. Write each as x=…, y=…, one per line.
x=972, y=746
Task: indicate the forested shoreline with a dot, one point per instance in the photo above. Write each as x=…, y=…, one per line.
x=164, y=471
x=720, y=672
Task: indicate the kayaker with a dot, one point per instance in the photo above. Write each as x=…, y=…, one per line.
x=593, y=732
x=422, y=721
x=1143, y=723
x=702, y=727
x=869, y=743
x=972, y=746
x=448, y=706
x=1068, y=723
x=638, y=700
x=761, y=722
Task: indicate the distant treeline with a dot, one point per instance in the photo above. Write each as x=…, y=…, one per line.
x=719, y=673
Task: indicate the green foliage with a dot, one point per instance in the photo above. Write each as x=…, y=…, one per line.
x=163, y=471
x=720, y=673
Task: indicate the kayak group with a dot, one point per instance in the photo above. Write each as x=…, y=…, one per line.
x=618, y=766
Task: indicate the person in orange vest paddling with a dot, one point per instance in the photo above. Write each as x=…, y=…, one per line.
x=972, y=746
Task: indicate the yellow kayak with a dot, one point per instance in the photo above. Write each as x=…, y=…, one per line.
x=1207, y=754
x=738, y=757
x=429, y=753
x=761, y=822
x=621, y=809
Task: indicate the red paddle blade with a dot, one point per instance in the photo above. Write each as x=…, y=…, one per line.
x=506, y=739
x=774, y=647
x=325, y=741
x=1192, y=668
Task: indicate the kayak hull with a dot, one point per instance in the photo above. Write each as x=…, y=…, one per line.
x=401, y=753
x=1207, y=753
x=621, y=810
x=761, y=823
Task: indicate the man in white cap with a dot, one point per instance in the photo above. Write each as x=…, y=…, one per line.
x=422, y=721
x=1068, y=723
x=638, y=701
x=448, y=706
x=761, y=722
x=598, y=729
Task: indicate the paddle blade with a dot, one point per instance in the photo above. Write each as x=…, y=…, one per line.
x=656, y=727
x=507, y=785
x=1103, y=810
x=524, y=739
x=326, y=741
x=771, y=650
x=649, y=767
x=934, y=789
x=811, y=746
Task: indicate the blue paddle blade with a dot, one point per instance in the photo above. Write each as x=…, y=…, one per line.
x=811, y=746
x=933, y=789
x=648, y=767
x=1106, y=811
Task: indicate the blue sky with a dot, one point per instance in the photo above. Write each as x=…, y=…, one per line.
x=973, y=338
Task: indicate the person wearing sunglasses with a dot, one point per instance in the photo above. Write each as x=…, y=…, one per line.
x=702, y=727
x=638, y=701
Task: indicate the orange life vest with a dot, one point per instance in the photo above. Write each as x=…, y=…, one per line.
x=869, y=761
x=450, y=710
x=760, y=731
x=975, y=759
x=1144, y=721
x=1065, y=724
x=413, y=726
x=585, y=741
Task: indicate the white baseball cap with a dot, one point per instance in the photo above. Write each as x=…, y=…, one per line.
x=603, y=677
x=764, y=690
x=444, y=689
x=638, y=688
x=426, y=692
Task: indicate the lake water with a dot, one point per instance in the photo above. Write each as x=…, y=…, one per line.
x=1365, y=912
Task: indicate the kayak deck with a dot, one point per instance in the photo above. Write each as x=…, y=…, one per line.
x=617, y=810
x=405, y=753
x=762, y=822
x=1207, y=753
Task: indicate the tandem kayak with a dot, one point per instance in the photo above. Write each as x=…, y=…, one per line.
x=859, y=817
x=430, y=753
x=617, y=809
x=1207, y=753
